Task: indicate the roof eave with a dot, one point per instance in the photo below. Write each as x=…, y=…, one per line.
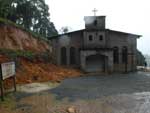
x=57, y=36
x=138, y=36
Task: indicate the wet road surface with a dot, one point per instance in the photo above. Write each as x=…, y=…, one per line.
x=92, y=87
x=117, y=93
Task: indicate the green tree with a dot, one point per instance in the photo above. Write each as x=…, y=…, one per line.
x=5, y=8
x=65, y=29
x=31, y=14
x=140, y=58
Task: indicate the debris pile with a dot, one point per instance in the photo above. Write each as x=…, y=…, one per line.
x=38, y=71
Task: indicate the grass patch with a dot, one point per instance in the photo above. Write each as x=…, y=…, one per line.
x=29, y=55
x=13, y=54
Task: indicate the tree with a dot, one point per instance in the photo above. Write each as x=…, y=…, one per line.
x=31, y=14
x=5, y=8
x=140, y=58
x=65, y=29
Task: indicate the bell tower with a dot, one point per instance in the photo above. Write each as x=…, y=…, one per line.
x=94, y=22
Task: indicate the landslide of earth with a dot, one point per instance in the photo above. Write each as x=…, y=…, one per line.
x=32, y=56
x=17, y=39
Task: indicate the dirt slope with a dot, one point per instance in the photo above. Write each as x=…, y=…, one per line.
x=38, y=71
x=29, y=69
x=15, y=38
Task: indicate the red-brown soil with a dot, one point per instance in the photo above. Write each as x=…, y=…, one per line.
x=17, y=39
x=38, y=71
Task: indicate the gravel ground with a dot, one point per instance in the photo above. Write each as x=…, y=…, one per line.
x=92, y=87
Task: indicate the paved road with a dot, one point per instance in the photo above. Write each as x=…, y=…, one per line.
x=93, y=87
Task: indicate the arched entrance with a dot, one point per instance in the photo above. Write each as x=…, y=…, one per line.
x=116, y=55
x=63, y=56
x=125, y=57
x=95, y=63
x=72, y=56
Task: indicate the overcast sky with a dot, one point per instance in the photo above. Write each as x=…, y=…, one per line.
x=131, y=16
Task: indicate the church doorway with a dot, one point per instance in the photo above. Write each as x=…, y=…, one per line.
x=63, y=56
x=95, y=63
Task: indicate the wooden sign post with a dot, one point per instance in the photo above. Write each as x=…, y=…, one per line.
x=1, y=85
x=7, y=70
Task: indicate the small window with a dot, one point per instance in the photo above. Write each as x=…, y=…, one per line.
x=95, y=22
x=90, y=37
x=101, y=37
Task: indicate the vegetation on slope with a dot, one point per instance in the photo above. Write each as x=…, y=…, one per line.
x=140, y=59
x=30, y=14
x=10, y=23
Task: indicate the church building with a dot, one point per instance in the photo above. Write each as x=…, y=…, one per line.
x=95, y=48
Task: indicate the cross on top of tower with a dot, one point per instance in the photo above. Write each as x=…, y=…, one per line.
x=94, y=11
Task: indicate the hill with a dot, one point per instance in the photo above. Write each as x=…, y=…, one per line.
x=15, y=38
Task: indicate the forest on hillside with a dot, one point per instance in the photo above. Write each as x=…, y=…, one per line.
x=31, y=14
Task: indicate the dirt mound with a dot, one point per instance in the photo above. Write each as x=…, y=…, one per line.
x=39, y=71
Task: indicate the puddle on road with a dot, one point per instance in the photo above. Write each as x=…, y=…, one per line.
x=143, y=102
x=123, y=103
x=145, y=73
x=128, y=103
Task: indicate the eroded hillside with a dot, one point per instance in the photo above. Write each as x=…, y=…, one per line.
x=38, y=70
x=32, y=56
x=15, y=38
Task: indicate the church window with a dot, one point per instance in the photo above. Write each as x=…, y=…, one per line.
x=90, y=37
x=63, y=56
x=72, y=55
x=116, y=55
x=124, y=55
x=95, y=22
x=100, y=37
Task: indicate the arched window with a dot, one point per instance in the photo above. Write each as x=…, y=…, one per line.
x=63, y=56
x=90, y=37
x=116, y=55
x=100, y=37
x=72, y=55
x=124, y=55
